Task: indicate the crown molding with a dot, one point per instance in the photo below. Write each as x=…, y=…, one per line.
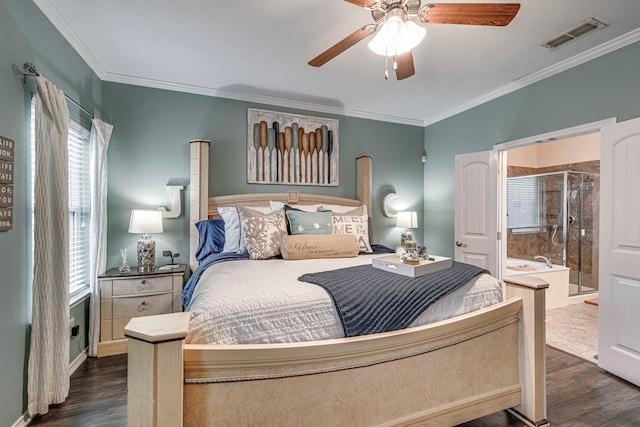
x=48, y=8
x=260, y=99
x=586, y=56
x=50, y=11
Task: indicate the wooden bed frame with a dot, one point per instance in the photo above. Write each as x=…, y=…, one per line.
x=443, y=373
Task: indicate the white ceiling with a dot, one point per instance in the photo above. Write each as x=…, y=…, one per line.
x=258, y=51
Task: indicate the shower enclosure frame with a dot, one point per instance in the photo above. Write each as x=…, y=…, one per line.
x=566, y=220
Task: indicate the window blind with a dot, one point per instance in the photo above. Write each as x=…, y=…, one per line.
x=523, y=204
x=79, y=206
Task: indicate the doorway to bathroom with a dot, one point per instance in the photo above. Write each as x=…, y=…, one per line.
x=552, y=230
x=553, y=193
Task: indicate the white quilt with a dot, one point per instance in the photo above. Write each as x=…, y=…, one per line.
x=253, y=302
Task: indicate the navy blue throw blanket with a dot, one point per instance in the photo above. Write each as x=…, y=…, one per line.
x=370, y=300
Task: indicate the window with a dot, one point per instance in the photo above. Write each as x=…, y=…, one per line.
x=523, y=204
x=79, y=201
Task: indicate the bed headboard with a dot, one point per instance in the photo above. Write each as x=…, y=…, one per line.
x=202, y=206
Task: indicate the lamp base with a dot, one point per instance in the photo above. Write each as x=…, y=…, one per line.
x=146, y=253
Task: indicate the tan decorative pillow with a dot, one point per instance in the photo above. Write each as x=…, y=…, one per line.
x=356, y=225
x=245, y=212
x=311, y=246
x=264, y=234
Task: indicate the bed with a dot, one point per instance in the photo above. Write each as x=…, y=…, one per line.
x=437, y=373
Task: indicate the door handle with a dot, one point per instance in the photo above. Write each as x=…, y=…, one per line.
x=460, y=244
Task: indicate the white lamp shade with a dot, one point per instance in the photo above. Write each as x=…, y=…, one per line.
x=396, y=37
x=145, y=221
x=407, y=219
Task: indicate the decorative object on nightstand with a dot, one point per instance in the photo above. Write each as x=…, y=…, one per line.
x=146, y=222
x=172, y=256
x=407, y=220
x=124, y=267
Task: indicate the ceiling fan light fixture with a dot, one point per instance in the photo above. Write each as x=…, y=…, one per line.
x=396, y=37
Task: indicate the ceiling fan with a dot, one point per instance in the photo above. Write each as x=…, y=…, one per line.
x=397, y=34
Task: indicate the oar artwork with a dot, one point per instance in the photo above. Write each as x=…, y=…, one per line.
x=304, y=171
x=295, y=161
x=320, y=157
x=325, y=159
x=256, y=146
x=288, y=144
x=282, y=150
x=263, y=144
x=312, y=154
x=276, y=131
x=271, y=144
x=329, y=153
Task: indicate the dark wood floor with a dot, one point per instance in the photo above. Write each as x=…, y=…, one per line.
x=579, y=394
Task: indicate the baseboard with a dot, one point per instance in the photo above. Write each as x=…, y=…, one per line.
x=77, y=362
x=24, y=421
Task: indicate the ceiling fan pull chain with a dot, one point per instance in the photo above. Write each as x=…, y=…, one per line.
x=386, y=67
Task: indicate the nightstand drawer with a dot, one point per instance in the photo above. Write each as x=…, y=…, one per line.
x=142, y=285
x=126, y=308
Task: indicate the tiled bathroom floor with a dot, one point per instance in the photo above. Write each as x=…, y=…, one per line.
x=574, y=329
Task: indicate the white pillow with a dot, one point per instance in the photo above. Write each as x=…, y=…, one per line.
x=307, y=208
x=342, y=208
x=229, y=215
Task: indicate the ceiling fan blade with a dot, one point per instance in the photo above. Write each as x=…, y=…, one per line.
x=343, y=45
x=362, y=3
x=404, y=65
x=494, y=14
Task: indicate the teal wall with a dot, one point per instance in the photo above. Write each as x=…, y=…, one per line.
x=27, y=36
x=149, y=147
x=605, y=87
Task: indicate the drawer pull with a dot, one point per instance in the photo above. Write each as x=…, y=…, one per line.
x=143, y=285
x=142, y=306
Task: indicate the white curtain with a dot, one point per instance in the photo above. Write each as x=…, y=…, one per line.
x=99, y=143
x=48, y=374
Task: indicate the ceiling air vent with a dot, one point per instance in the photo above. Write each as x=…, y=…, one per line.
x=583, y=29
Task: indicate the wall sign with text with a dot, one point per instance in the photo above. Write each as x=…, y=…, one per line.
x=6, y=183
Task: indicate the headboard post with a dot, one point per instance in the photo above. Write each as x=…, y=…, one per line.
x=364, y=183
x=198, y=192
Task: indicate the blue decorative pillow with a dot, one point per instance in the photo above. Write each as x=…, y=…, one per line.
x=211, y=238
x=310, y=222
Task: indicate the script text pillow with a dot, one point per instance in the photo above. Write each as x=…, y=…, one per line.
x=311, y=246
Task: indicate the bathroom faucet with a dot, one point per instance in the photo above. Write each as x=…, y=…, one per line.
x=546, y=260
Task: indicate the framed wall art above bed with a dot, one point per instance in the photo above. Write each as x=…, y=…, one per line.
x=292, y=149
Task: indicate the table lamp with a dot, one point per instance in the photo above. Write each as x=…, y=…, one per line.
x=407, y=220
x=145, y=222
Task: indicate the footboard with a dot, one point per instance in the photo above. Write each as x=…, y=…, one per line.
x=439, y=374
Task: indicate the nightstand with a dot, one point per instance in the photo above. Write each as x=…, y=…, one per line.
x=135, y=294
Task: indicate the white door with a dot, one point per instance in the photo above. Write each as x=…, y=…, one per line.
x=619, y=308
x=476, y=210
